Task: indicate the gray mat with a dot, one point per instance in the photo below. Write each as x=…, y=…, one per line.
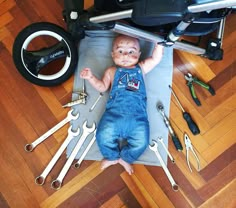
x=94, y=52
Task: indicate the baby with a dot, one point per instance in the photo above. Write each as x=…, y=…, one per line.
x=125, y=116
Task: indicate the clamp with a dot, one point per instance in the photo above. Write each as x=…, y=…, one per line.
x=192, y=80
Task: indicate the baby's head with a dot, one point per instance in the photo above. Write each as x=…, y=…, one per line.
x=125, y=51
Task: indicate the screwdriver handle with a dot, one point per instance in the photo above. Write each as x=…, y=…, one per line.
x=176, y=142
x=191, y=124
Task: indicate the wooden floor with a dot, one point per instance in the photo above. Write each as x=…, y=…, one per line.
x=27, y=111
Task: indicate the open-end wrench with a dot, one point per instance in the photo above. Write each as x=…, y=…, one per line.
x=56, y=184
x=160, y=139
x=41, y=178
x=70, y=117
x=154, y=148
x=79, y=161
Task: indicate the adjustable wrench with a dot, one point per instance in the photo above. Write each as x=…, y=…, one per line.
x=154, y=148
x=77, y=164
x=70, y=117
x=41, y=178
x=56, y=184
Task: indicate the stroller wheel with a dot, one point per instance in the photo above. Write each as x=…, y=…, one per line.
x=45, y=54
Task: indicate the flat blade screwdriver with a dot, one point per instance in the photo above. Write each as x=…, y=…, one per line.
x=191, y=124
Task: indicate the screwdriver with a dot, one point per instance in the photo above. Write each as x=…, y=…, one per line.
x=191, y=124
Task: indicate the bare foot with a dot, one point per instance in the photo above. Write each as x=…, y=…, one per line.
x=107, y=163
x=126, y=166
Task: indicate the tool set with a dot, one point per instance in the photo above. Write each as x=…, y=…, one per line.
x=41, y=178
x=56, y=184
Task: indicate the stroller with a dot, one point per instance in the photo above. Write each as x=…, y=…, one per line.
x=46, y=54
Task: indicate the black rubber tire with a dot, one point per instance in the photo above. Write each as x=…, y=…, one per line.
x=48, y=28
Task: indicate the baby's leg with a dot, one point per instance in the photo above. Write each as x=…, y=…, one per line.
x=106, y=137
x=138, y=140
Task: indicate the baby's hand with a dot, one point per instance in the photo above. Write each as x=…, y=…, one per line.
x=86, y=73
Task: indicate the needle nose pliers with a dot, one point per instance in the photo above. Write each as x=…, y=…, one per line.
x=192, y=80
x=189, y=147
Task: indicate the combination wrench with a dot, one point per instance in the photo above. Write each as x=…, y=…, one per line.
x=56, y=184
x=79, y=161
x=160, y=139
x=70, y=117
x=154, y=148
x=41, y=178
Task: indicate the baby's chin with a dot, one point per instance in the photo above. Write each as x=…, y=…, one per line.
x=127, y=64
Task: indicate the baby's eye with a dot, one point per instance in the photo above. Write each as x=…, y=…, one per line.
x=131, y=52
x=120, y=51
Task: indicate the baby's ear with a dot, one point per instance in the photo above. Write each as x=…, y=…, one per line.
x=112, y=54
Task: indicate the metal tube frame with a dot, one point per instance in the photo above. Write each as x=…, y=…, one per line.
x=135, y=32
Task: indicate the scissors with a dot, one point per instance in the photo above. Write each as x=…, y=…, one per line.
x=189, y=146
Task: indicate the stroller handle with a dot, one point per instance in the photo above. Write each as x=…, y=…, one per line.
x=196, y=8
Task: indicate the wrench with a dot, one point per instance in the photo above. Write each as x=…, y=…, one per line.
x=56, y=184
x=70, y=117
x=41, y=178
x=160, y=139
x=78, y=163
x=154, y=148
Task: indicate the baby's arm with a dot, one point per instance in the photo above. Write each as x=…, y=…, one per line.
x=100, y=85
x=149, y=63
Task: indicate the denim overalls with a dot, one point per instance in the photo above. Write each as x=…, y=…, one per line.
x=125, y=117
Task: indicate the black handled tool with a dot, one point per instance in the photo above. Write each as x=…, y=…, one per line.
x=175, y=139
x=191, y=124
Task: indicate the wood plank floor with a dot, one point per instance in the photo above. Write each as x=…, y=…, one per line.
x=27, y=111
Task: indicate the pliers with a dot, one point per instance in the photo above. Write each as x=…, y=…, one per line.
x=192, y=80
x=189, y=146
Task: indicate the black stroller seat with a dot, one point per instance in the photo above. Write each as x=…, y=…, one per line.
x=160, y=12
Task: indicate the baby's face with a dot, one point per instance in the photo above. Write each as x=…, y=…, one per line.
x=126, y=51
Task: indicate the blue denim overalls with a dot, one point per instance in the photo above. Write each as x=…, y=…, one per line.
x=125, y=117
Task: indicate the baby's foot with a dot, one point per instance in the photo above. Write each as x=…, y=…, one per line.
x=106, y=163
x=126, y=166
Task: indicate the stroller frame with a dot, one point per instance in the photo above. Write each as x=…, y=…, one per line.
x=74, y=12
x=164, y=22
